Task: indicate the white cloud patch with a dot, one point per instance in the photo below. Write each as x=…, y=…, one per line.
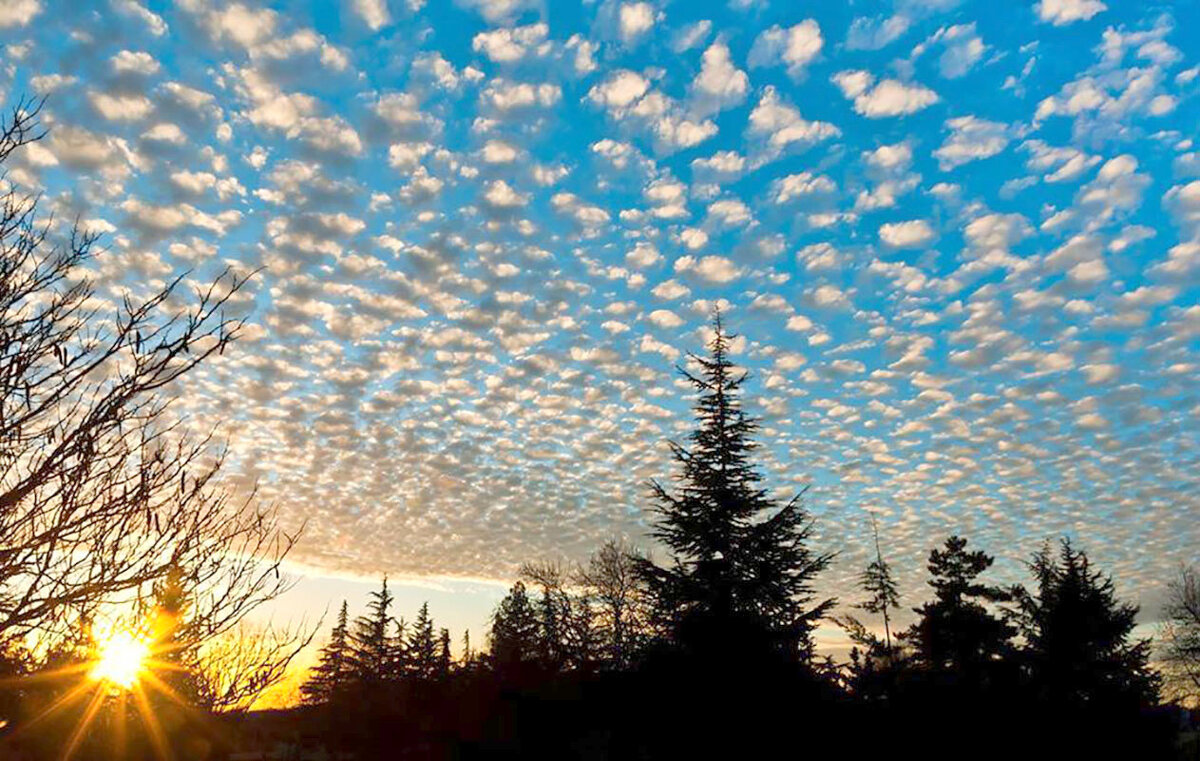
x=642, y=256
x=1183, y=203
x=873, y=33
x=1059, y=164
x=802, y=185
x=778, y=127
x=711, y=270
x=512, y=44
x=635, y=20
x=499, y=11
x=134, y=62
x=500, y=195
x=627, y=96
x=619, y=91
x=506, y=97
x=913, y=233
x=961, y=47
x=121, y=108
x=794, y=47
x=1106, y=98
x=1061, y=12
x=15, y=13
x=373, y=13
x=888, y=97
x=691, y=36
x=588, y=216
x=971, y=139
x=720, y=84
x=154, y=23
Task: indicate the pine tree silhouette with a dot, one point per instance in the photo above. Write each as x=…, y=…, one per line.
x=583, y=646
x=515, y=635
x=552, y=627
x=422, y=647
x=335, y=667
x=956, y=633
x=468, y=654
x=401, y=665
x=445, y=660
x=731, y=565
x=1079, y=637
x=374, y=649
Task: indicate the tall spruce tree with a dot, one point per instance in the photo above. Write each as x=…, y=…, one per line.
x=583, y=645
x=401, y=660
x=957, y=633
x=444, y=659
x=516, y=633
x=335, y=668
x=422, y=646
x=374, y=648
x=468, y=654
x=1079, y=639
x=740, y=557
x=552, y=625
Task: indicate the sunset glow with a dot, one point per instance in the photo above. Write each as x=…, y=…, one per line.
x=122, y=660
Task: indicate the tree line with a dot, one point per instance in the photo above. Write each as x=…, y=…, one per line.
x=376, y=649
x=725, y=625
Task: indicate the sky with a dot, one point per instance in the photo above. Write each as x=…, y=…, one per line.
x=960, y=242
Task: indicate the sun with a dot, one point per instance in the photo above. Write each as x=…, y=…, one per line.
x=122, y=660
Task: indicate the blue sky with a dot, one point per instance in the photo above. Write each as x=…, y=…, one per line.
x=961, y=242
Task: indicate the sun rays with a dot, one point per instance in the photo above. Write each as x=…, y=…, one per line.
x=122, y=660
x=126, y=679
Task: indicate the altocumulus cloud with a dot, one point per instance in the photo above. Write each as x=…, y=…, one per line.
x=487, y=232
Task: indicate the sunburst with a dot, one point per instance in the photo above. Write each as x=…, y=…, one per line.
x=126, y=663
x=123, y=658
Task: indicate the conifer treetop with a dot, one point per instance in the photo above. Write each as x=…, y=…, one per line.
x=737, y=551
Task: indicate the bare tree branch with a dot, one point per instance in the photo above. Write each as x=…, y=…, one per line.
x=102, y=490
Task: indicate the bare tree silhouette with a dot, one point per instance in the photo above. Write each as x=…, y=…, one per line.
x=101, y=491
x=1180, y=635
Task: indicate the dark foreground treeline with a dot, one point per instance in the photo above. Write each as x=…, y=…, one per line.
x=984, y=672
x=710, y=655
